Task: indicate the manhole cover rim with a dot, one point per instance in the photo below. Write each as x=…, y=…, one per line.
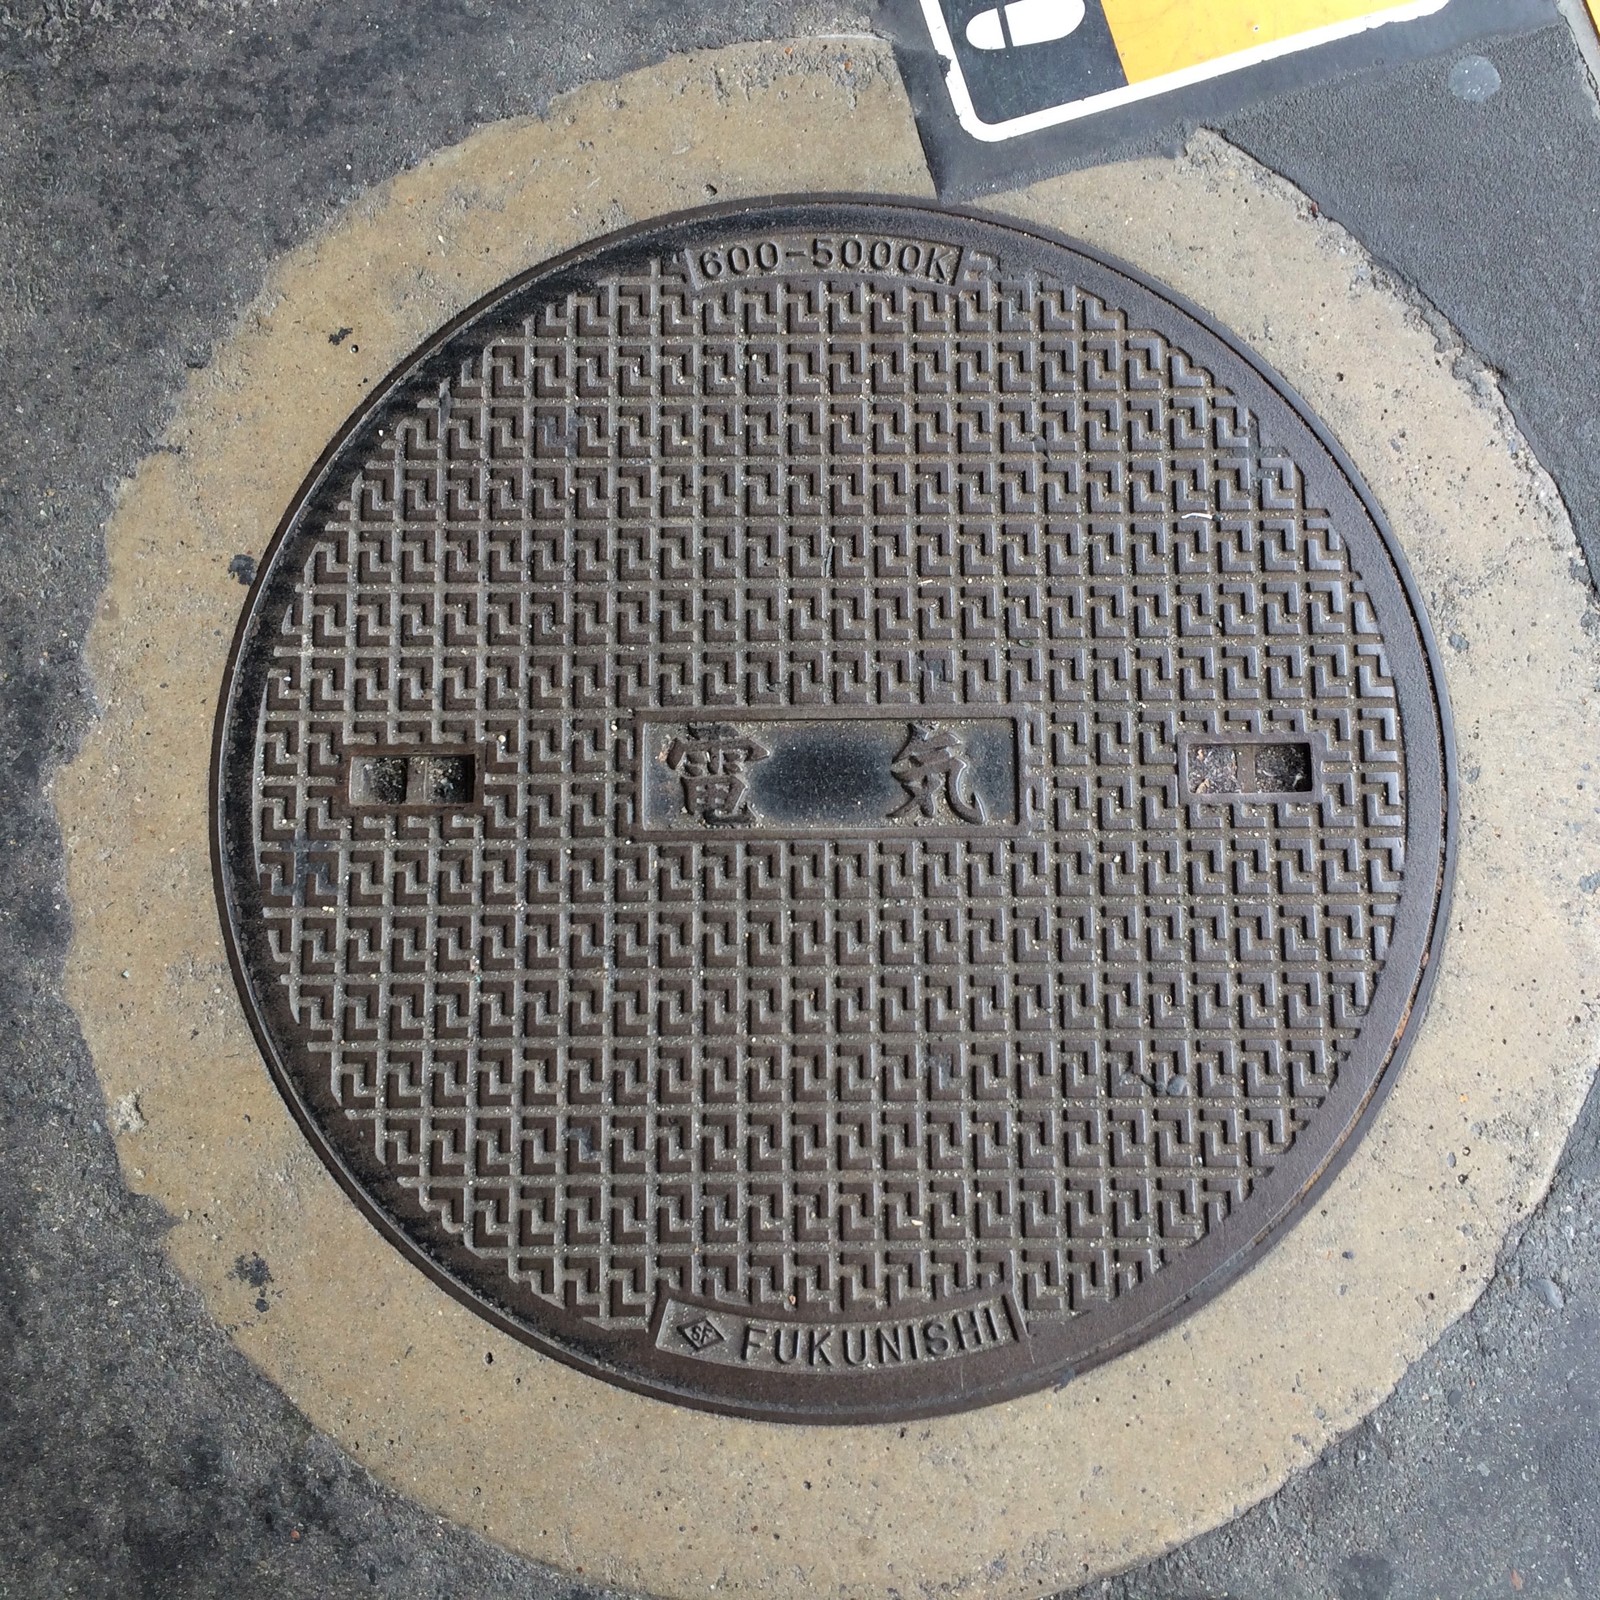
x=1198, y=1272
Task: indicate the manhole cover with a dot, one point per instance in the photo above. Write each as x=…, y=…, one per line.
x=832, y=811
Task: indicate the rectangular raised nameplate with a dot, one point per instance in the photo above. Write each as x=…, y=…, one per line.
x=862, y=1346
x=834, y=773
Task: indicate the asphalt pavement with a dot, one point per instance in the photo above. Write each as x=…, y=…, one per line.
x=154, y=159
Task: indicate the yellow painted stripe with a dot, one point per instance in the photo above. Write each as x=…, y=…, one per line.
x=1155, y=37
x=1594, y=13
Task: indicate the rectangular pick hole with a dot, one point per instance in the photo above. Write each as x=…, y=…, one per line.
x=440, y=780
x=1283, y=769
x=1213, y=769
x=378, y=780
x=1266, y=769
x=424, y=780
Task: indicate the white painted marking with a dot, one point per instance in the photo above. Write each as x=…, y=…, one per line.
x=985, y=33
x=1053, y=116
x=1041, y=21
x=1027, y=22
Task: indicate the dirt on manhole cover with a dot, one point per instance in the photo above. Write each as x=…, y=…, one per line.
x=832, y=811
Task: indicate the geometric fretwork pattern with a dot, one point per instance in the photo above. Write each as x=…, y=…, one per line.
x=825, y=1073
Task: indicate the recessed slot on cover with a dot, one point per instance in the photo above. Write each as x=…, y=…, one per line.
x=416, y=780
x=1256, y=769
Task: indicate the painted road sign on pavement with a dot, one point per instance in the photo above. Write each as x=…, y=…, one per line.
x=1018, y=67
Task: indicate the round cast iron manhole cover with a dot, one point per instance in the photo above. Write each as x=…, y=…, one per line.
x=832, y=810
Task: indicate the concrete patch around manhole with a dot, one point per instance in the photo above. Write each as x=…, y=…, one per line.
x=1014, y=1499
